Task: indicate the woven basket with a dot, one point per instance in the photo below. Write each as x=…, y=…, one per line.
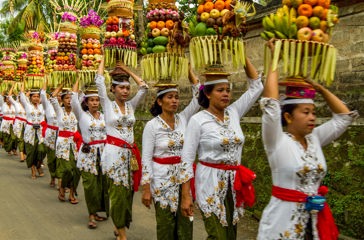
x=120, y=8
x=68, y=27
x=35, y=48
x=91, y=32
x=158, y=1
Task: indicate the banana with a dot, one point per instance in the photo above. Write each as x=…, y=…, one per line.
x=278, y=23
x=271, y=17
x=264, y=23
x=269, y=34
x=280, y=12
x=293, y=31
x=269, y=24
x=280, y=35
x=285, y=10
x=285, y=25
x=265, y=37
x=292, y=14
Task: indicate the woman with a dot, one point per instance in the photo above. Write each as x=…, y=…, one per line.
x=118, y=158
x=9, y=138
x=162, y=146
x=19, y=124
x=217, y=136
x=50, y=135
x=33, y=131
x=93, y=131
x=66, y=145
x=297, y=161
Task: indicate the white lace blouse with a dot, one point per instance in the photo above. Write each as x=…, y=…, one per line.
x=19, y=112
x=50, y=134
x=8, y=111
x=217, y=142
x=115, y=161
x=160, y=141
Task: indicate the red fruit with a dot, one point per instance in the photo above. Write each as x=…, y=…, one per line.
x=109, y=28
x=115, y=28
x=113, y=40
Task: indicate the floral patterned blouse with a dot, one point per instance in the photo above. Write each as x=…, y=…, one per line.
x=66, y=122
x=8, y=111
x=294, y=167
x=115, y=161
x=50, y=134
x=217, y=142
x=19, y=112
x=35, y=115
x=92, y=129
x=160, y=141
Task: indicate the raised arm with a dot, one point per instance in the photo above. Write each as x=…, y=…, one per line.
x=54, y=101
x=75, y=103
x=193, y=106
x=23, y=99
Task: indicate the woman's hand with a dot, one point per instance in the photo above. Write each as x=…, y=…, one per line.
x=187, y=205
x=318, y=87
x=146, y=196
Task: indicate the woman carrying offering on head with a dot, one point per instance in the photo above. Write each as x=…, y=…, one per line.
x=223, y=186
x=162, y=146
x=297, y=208
x=120, y=160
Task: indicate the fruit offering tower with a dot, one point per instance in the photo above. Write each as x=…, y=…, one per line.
x=35, y=69
x=9, y=66
x=51, y=60
x=120, y=44
x=164, y=46
x=21, y=70
x=90, y=53
x=303, y=29
x=218, y=31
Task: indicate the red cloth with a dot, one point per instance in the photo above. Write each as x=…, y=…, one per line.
x=21, y=119
x=243, y=183
x=192, y=182
x=44, y=128
x=48, y=126
x=167, y=160
x=96, y=142
x=137, y=175
x=326, y=226
x=77, y=138
x=8, y=118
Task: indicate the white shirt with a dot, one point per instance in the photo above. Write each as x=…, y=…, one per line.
x=50, y=134
x=65, y=122
x=92, y=129
x=216, y=142
x=35, y=115
x=295, y=168
x=160, y=141
x=19, y=112
x=115, y=161
x=8, y=111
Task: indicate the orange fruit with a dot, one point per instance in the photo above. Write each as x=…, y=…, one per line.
x=324, y=3
x=305, y=10
x=200, y=9
x=219, y=5
x=208, y=6
x=152, y=24
x=227, y=4
x=310, y=2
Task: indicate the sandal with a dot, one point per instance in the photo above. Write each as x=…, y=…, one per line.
x=40, y=172
x=61, y=197
x=92, y=224
x=73, y=200
x=116, y=233
x=99, y=218
x=52, y=184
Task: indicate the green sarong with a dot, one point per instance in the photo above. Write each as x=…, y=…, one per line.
x=214, y=228
x=35, y=153
x=51, y=161
x=21, y=143
x=10, y=141
x=68, y=171
x=172, y=225
x=121, y=201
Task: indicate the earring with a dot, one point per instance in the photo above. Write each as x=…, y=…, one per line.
x=289, y=121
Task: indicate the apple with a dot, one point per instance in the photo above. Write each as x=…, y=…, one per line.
x=113, y=34
x=205, y=16
x=296, y=3
x=112, y=40
x=165, y=32
x=302, y=21
x=91, y=57
x=304, y=34
x=109, y=28
x=84, y=57
x=323, y=26
x=115, y=28
x=156, y=32
x=314, y=22
x=318, y=11
x=222, y=13
x=119, y=33
x=318, y=35
x=215, y=13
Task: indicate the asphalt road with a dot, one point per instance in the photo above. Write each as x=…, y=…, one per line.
x=30, y=210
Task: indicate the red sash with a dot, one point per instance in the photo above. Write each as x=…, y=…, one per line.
x=325, y=224
x=21, y=119
x=167, y=160
x=137, y=175
x=8, y=118
x=96, y=142
x=50, y=127
x=77, y=138
x=243, y=183
x=43, y=124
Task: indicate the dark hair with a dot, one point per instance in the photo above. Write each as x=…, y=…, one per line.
x=288, y=108
x=63, y=96
x=84, y=105
x=114, y=84
x=202, y=98
x=155, y=110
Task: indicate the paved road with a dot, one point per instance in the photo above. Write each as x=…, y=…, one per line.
x=30, y=210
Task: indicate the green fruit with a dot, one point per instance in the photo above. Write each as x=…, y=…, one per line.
x=150, y=42
x=269, y=25
x=149, y=50
x=200, y=29
x=279, y=34
x=210, y=31
x=161, y=40
x=269, y=34
x=143, y=51
x=220, y=30
x=144, y=44
x=159, y=49
x=264, y=36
